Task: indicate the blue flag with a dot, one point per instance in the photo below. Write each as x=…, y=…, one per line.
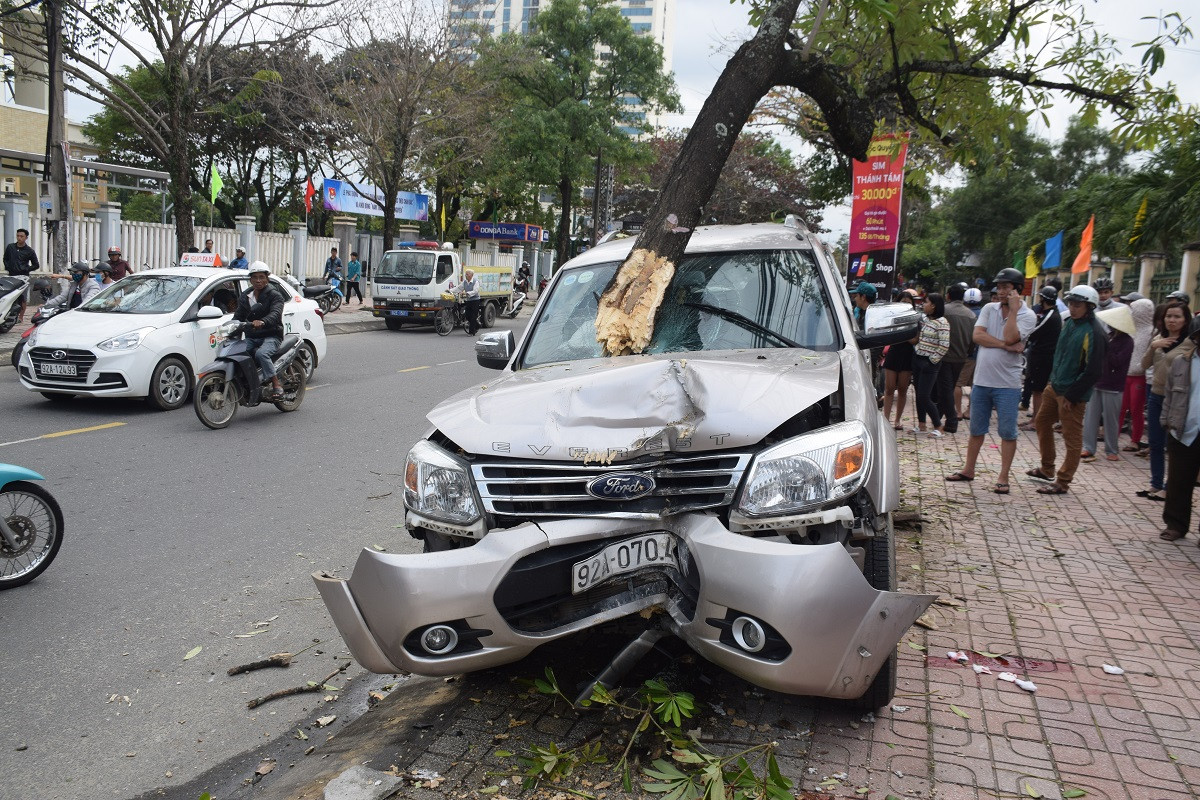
x=1053, y=258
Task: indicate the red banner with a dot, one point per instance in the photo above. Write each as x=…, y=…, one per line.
x=878, y=187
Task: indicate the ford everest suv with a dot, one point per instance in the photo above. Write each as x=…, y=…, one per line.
x=733, y=485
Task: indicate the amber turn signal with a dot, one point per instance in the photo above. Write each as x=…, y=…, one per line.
x=849, y=461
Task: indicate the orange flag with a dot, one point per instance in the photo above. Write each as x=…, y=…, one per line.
x=1084, y=260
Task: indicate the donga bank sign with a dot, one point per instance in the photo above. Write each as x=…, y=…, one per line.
x=510, y=231
x=341, y=196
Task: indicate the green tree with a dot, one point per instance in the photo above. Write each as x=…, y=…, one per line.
x=579, y=84
x=956, y=74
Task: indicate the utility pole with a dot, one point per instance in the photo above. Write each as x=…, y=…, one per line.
x=56, y=170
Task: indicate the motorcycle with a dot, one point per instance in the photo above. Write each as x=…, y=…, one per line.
x=40, y=316
x=12, y=289
x=234, y=378
x=31, y=526
x=516, y=299
x=327, y=295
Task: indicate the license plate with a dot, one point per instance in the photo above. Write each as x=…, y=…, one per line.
x=654, y=549
x=399, y=313
x=56, y=369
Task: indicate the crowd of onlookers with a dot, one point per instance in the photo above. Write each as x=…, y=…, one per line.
x=1084, y=365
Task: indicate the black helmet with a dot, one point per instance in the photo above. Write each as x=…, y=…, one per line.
x=1181, y=296
x=1102, y=284
x=1194, y=328
x=80, y=266
x=1048, y=293
x=105, y=268
x=1010, y=275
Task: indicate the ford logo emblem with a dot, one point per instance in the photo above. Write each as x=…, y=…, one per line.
x=59, y=354
x=620, y=486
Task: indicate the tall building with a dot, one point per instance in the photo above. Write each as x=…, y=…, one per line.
x=475, y=18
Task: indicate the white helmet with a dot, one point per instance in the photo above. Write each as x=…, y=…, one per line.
x=972, y=297
x=259, y=266
x=1083, y=292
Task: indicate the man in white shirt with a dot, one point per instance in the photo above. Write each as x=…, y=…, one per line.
x=1000, y=332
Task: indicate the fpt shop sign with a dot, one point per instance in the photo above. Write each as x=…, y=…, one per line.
x=505, y=231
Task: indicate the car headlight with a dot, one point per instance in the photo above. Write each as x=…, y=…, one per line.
x=438, y=485
x=126, y=341
x=807, y=471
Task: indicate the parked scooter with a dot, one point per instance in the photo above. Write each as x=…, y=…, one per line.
x=40, y=316
x=12, y=289
x=31, y=526
x=328, y=298
x=516, y=299
x=234, y=378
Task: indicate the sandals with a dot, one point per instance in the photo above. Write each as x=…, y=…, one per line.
x=1158, y=495
x=1053, y=488
x=1037, y=474
x=1087, y=457
x=960, y=477
x=1171, y=535
x=1000, y=488
x=275, y=395
x=1113, y=457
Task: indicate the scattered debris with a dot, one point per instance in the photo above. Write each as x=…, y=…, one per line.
x=925, y=622
x=277, y=660
x=899, y=709
x=326, y=720
x=980, y=669
x=195, y=651
x=308, y=687
x=1007, y=676
x=1111, y=670
x=1027, y=685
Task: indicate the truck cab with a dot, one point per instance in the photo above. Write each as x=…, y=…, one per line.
x=407, y=285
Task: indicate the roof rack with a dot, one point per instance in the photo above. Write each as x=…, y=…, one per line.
x=792, y=221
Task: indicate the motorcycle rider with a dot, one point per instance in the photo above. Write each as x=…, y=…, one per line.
x=120, y=267
x=262, y=306
x=78, y=291
x=524, y=279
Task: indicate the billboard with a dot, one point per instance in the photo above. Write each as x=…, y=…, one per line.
x=505, y=231
x=342, y=197
x=878, y=188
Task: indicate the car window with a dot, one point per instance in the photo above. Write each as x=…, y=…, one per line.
x=144, y=293
x=409, y=267
x=287, y=291
x=222, y=295
x=720, y=301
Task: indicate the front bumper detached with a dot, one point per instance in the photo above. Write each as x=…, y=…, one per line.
x=828, y=632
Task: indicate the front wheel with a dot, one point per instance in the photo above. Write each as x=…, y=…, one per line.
x=36, y=523
x=169, y=384
x=292, y=379
x=215, y=400
x=16, y=353
x=443, y=321
x=335, y=301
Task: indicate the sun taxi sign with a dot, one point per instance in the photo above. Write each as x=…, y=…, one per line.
x=200, y=260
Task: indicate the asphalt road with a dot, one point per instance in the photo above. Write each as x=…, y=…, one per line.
x=179, y=537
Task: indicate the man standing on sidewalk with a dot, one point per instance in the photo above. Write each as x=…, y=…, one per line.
x=19, y=259
x=1078, y=361
x=962, y=325
x=1000, y=333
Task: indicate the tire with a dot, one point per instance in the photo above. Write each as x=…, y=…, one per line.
x=322, y=303
x=58, y=397
x=215, y=400
x=307, y=358
x=293, y=380
x=335, y=301
x=879, y=568
x=170, y=384
x=443, y=321
x=16, y=353
x=392, y=324
x=489, y=315
x=437, y=542
x=36, y=518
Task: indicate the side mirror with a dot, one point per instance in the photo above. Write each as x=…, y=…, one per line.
x=493, y=350
x=209, y=312
x=888, y=323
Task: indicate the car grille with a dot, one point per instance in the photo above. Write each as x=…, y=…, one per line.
x=554, y=489
x=82, y=359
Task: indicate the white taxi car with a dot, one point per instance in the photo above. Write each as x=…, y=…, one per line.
x=144, y=336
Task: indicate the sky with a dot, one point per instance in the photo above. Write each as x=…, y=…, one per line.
x=707, y=31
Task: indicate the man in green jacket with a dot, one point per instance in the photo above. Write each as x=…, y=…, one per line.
x=1078, y=361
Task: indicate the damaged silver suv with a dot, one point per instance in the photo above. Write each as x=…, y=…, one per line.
x=732, y=486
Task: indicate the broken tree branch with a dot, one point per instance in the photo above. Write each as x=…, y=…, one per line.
x=308, y=687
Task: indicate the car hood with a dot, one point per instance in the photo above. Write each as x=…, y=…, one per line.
x=614, y=409
x=87, y=328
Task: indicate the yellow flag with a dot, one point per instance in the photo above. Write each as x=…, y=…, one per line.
x=1032, y=267
x=1139, y=219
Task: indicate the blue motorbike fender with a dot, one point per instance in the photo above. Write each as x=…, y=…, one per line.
x=11, y=472
x=224, y=367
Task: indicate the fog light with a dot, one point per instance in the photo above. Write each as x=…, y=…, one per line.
x=749, y=634
x=440, y=639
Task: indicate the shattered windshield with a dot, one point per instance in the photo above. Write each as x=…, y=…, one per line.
x=718, y=301
x=144, y=293
x=406, y=267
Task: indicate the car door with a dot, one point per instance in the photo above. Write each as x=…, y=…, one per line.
x=292, y=303
x=222, y=294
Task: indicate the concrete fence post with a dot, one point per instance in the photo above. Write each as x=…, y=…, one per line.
x=16, y=215
x=1151, y=264
x=109, y=216
x=299, y=232
x=1190, y=270
x=246, y=238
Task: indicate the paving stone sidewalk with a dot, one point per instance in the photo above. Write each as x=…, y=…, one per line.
x=1050, y=589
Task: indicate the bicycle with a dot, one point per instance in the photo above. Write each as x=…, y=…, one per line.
x=451, y=315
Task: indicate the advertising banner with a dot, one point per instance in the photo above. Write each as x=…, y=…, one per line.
x=341, y=196
x=505, y=231
x=878, y=187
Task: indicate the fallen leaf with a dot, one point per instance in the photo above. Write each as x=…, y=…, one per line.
x=516, y=723
x=489, y=790
x=959, y=711
x=925, y=622
x=323, y=721
x=248, y=635
x=195, y=651
x=265, y=768
x=917, y=647
x=1070, y=794
x=502, y=754
x=1032, y=792
x=301, y=735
